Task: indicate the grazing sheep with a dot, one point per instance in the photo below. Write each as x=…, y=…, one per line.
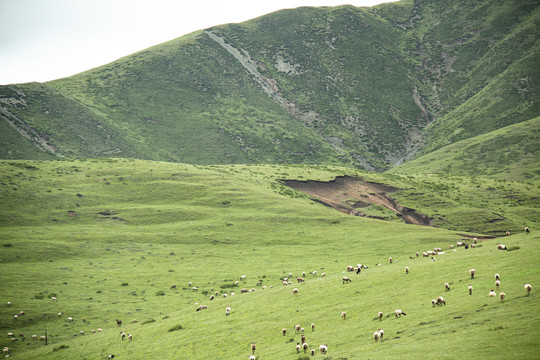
x=130, y=337
x=202, y=307
x=252, y=357
x=323, y=274
x=343, y=315
x=99, y=330
x=497, y=277
x=381, y=334
x=34, y=337
x=232, y=293
x=10, y=334
x=300, y=279
x=497, y=284
x=6, y=350
x=93, y=331
x=42, y=338
x=297, y=328
x=290, y=274
x=314, y=273
x=312, y=352
x=284, y=283
x=475, y=240
x=501, y=247
x=346, y=279
x=172, y=287
x=406, y=269
x=390, y=259
x=472, y=272
x=298, y=347
x=303, y=273
x=305, y=347
x=433, y=302
x=380, y=315
x=53, y=298
x=224, y=296
x=244, y=290
x=350, y=268
x=211, y=297
x=425, y=254
x=417, y=254
x=528, y=288
x=502, y=296
x=507, y=232
x=450, y=247
x=323, y=348
x=227, y=312
x=122, y=335
x=398, y=313
x=111, y=356
x=376, y=336
x=302, y=330
x=253, y=348
x=70, y=318
x=294, y=291
x=440, y=300
x=313, y=327
x=303, y=339
x=243, y=278
x=59, y=314
x=190, y=284
x=81, y=332
x=284, y=331
x=470, y=289
x=118, y=322
x=492, y=293
x=447, y=286
x=527, y=230
x=194, y=289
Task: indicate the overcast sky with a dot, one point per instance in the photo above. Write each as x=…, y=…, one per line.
x=42, y=40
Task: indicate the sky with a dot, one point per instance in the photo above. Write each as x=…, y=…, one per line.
x=42, y=40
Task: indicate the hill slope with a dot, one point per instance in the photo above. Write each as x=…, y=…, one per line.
x=363, y=87
x=109, y=238
x=510, y=153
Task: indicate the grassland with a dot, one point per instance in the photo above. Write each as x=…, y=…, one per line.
x=142, y=226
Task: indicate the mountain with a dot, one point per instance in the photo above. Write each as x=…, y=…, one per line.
x=365, y=87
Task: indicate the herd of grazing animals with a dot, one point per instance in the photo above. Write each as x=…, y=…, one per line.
x=303, y=346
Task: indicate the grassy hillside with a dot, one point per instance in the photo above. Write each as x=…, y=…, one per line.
x=361, y=87
x=140, y=227
x=511, y=153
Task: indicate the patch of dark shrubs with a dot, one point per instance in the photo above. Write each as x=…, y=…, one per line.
x=149, y=321
x=57, y=348
x=176, y=327
x=512, y=248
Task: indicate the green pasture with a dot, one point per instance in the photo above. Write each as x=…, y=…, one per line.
x=141, y=227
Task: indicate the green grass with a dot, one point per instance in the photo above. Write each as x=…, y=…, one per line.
x=210, y=225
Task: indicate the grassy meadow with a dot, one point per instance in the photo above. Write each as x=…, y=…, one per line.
x=139, y=227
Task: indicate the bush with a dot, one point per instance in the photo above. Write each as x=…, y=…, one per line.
x=148, y=321
x=56, y=348
x=125, y=284
x=160, y=293
x=176, y=327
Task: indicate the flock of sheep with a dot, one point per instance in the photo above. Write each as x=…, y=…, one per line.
x=378, y=335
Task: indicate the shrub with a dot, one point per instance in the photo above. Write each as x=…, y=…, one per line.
x=56, y=348
x=149, y=321
x=160, y=293
x=176, y=327
x=125, y=284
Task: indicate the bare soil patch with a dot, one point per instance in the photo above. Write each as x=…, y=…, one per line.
x=350, y=194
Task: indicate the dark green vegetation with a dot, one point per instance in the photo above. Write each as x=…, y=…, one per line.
x=362, y=87
x=109, y=238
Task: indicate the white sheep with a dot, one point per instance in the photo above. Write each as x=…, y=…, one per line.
x=345, y=279
x=323, y=274
x=472, y=272
x=470, y=289
x=189, y=284
x=527, y=288
x=433, y=302
x=298, y=347
x=81, y=332
x=284, y=331
x=294, y=291
x=314, y=273
x=497, y=277
x=380, y=315
x=502, y=296
x=252, y=357
x=475, y=240
x=447, y=286
x=300, y=279
x=243, y=277
x=417, y=254
x=501, y=247
x=53, y=298
x=297, y=328
x=9, y=303
x=492, y=293
x=376, y=336
x=93, y=331
x=313, y=327
x=406, y=269
x=497, y=284
x=130, y=337
x=194, y=289
x=99, y=330
x=312, y=352
x=440, y=300
x=390, y=259
x=253, y=348
x=232, y=293
x=398, y=313
x=122, y=335
x=381, y=334
x=323, y=348
x=34, y=337
x=343, y=315
x=70, y=318
x=305, y=347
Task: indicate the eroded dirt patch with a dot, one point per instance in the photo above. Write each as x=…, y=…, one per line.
x=349, y=195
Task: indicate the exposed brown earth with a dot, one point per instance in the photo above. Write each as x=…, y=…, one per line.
x=339, y=192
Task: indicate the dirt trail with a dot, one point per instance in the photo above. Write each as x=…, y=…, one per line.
x=339, y=192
